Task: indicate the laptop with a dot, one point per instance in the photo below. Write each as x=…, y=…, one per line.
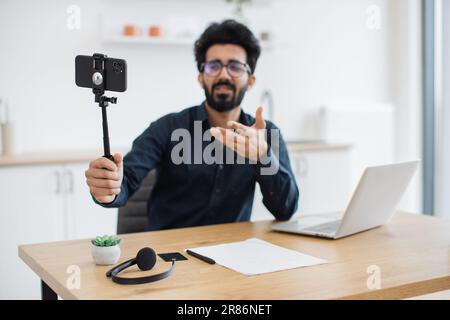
x=373, y=203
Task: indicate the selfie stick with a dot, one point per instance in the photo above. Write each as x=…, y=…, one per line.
x=98, y=88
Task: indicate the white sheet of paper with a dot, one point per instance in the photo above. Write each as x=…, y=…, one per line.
x=255, y=256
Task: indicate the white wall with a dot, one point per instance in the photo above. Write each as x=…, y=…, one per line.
x=406, y=91
x=324, y=54
x=331, y=57
x=37, y=69
x=328, y=56
x=442, y=178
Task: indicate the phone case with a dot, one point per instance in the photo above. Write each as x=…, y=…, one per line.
x=115, y=71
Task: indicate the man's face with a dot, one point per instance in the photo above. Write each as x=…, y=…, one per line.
x=223, y=91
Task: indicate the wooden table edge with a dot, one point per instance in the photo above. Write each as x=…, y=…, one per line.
x=402, y=291
x=46, y=277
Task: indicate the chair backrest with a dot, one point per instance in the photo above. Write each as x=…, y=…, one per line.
x=133, y=216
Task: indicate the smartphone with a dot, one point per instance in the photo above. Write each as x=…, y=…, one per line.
x=115, y=73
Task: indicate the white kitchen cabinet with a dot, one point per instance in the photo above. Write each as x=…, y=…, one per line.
x=86, y=218
x=323, y=178
x=31, y=211
x=43, y=203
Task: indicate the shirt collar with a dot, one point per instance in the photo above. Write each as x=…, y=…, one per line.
x=202, y=115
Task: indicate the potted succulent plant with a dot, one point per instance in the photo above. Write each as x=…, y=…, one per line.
x=105, y=250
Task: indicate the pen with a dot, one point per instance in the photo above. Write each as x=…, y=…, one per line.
x=199, y=256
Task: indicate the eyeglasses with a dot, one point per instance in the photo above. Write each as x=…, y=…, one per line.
x=234, y=68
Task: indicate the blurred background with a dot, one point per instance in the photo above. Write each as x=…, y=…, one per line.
x=350, y=83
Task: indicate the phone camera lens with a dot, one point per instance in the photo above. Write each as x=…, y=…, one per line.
x=117, y=67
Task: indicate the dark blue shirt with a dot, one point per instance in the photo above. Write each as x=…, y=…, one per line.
x=193, y=194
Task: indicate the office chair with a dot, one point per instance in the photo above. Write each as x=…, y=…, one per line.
x=133, y=216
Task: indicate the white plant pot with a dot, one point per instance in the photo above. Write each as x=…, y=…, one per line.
x=105, y=255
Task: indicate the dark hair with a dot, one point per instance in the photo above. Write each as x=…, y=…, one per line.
x=228, y=32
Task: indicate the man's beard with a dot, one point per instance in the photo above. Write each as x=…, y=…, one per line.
x=223, y=102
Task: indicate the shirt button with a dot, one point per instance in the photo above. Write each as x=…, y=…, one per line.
x=220, y=166
x=218, y=190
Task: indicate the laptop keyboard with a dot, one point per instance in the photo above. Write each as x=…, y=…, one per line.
x=329, y=227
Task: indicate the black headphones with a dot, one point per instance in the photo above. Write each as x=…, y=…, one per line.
x=145, y=260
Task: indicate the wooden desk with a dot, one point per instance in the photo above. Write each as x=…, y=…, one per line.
x=412, y=252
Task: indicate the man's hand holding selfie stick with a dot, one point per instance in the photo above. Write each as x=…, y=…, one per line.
x=104, y=175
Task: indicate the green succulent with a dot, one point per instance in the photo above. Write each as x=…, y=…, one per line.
x=105, y=241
